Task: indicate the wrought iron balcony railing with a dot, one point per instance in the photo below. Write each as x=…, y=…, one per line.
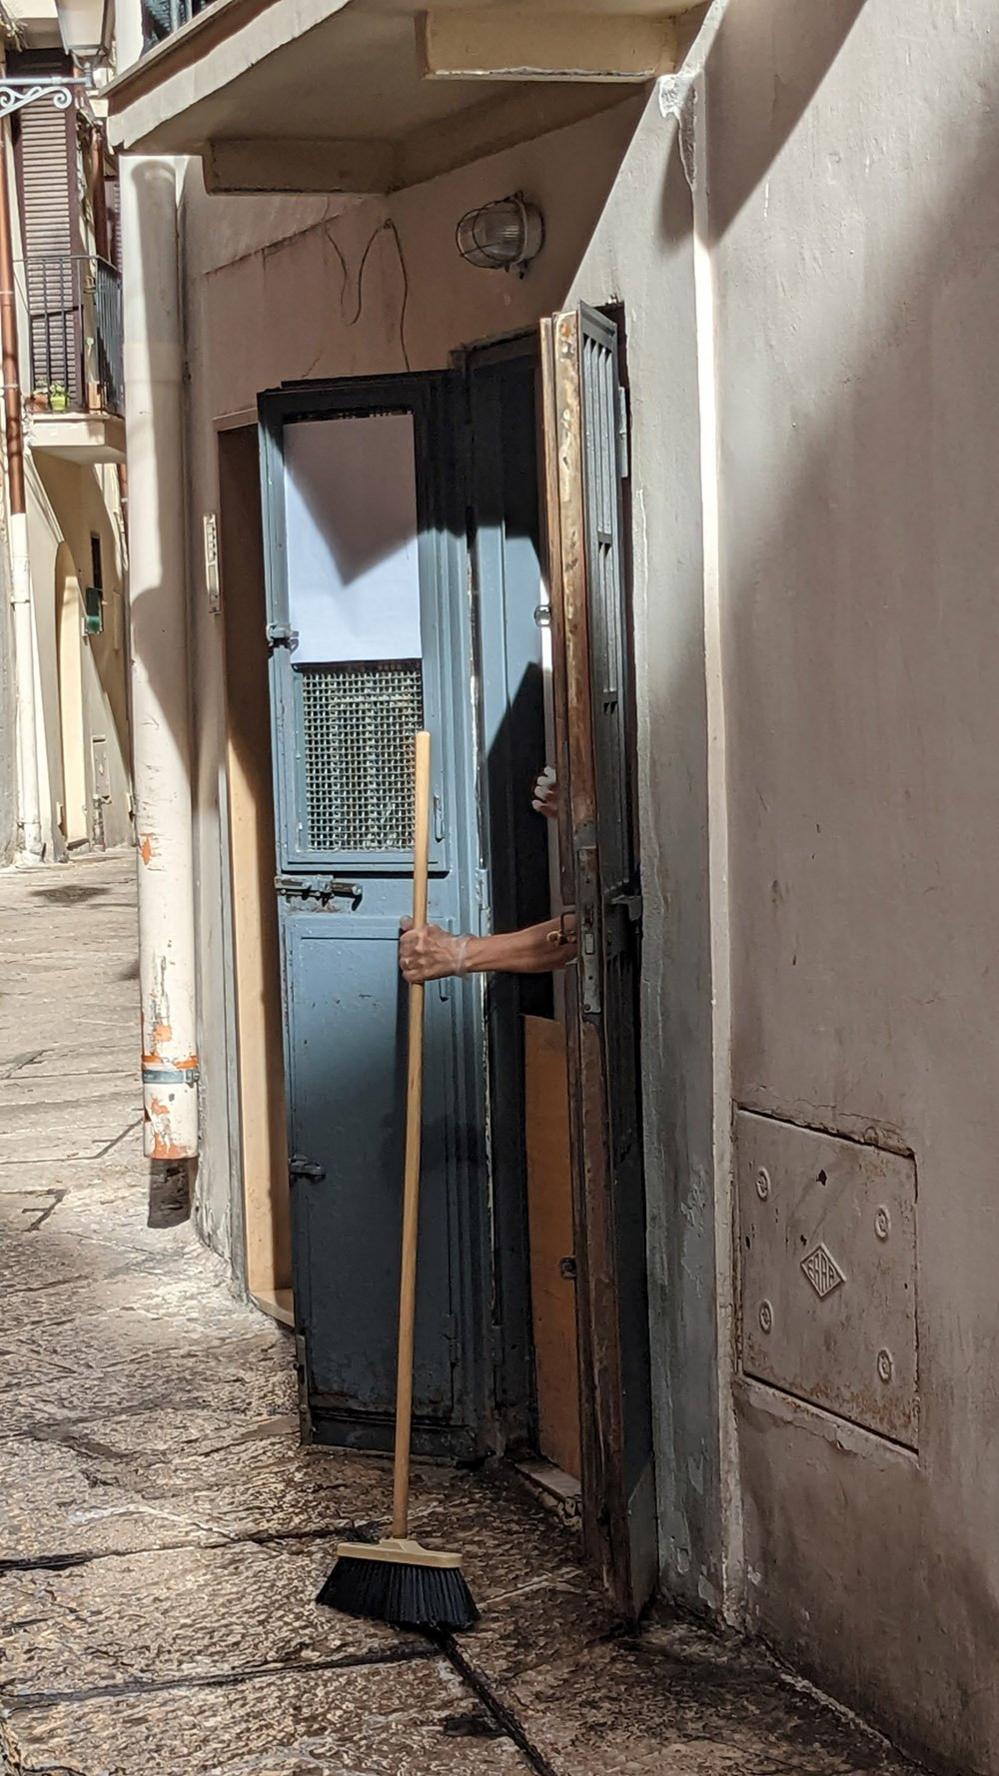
x=74, y=315
x=160, y=18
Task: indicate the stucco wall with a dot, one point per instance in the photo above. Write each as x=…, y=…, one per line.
x=272, y=293
x=855, y=207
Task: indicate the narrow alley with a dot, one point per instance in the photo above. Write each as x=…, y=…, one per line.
x=164, y=1533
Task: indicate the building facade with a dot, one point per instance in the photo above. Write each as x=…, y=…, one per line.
x=66, y=720
x=779, y=554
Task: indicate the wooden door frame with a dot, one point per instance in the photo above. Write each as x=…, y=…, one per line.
x=605, y=1504
x=258, y=1168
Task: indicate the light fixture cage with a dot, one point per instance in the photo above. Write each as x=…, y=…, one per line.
x=504, y=235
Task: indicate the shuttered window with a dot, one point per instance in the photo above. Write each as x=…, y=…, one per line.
x=46, y=164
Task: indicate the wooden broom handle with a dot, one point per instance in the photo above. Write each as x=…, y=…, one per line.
x=411, y=1172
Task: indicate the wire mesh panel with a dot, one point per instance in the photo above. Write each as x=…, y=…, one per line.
x=359, y=722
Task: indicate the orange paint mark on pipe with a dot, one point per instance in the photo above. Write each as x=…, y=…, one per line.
x=166, y=1149
x=146, y=847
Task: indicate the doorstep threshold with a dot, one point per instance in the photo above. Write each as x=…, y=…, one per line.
x=278, y=1304
x=553, y=1481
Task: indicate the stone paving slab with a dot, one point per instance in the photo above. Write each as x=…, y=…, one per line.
x=175, y=1614
x=404, y=1719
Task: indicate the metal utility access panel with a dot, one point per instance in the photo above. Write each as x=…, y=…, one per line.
x=828, y=1257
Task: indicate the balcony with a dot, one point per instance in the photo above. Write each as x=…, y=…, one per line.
x=369, y=96
x=160, y=18
x=75, y=394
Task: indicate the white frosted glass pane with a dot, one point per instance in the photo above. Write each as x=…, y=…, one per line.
x=350, y=512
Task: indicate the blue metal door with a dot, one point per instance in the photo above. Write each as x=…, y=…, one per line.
x=369, y=628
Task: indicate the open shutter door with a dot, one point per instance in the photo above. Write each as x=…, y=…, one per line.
x=585, y=444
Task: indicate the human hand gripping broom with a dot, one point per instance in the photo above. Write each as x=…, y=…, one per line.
x=396, y=1580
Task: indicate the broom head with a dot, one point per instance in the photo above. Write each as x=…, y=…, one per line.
x=399, y=1582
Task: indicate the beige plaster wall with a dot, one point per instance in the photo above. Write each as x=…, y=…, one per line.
x=855, y=210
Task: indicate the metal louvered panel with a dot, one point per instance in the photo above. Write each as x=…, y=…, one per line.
x=359, y=723
x=46, y=139
x=46, y=166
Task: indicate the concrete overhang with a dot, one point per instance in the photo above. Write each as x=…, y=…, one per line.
x=78, y=437
x=362, y=96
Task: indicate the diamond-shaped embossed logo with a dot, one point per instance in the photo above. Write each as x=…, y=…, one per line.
x=822, y=1271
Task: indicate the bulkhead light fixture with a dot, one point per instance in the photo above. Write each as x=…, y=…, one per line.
x=502, y=236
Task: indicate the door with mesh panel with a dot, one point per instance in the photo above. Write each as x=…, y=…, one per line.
x=368, y=626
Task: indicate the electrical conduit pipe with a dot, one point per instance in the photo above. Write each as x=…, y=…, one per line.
x=154, y=417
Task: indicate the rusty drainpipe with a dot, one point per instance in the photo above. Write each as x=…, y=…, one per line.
x=29, y=800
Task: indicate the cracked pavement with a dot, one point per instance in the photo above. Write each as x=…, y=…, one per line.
x=163, y=1532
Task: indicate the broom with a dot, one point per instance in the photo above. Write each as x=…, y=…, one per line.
x=397, y=1580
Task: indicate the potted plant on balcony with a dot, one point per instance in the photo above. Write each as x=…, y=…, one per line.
x=58, y=397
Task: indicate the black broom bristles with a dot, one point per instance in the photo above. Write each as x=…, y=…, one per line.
x=403, y=1593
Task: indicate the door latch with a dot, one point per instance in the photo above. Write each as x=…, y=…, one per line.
x=281, y=635
x=294, y=888
x=306, y=1169
x=630, y=903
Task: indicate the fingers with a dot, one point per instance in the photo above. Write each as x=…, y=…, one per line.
x=417, y=952
x=406, y=924
x=545, y=797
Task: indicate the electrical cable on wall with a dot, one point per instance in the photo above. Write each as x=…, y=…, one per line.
x=387, y=226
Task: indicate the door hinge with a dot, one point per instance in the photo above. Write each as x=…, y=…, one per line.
x=306, y=1169
x=302, y=1386
x=296, y=888
x=281, y=635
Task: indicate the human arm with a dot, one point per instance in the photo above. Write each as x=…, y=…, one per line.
x=428, y=953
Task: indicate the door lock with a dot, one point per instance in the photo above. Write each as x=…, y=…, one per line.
x=306, y=1169
x=295, y=888
x=281, y=635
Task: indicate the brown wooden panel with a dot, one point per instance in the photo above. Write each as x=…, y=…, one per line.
x=549, y=1205
x=254, y=913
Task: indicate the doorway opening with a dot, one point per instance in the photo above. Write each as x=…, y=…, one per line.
x=69, y=631
x=445, y=549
